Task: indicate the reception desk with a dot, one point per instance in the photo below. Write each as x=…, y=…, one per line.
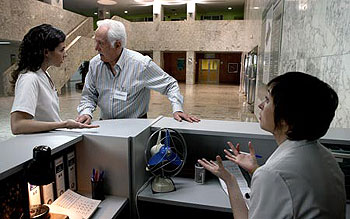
x=117, y=147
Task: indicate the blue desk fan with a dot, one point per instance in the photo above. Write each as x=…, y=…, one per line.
x=165, y=155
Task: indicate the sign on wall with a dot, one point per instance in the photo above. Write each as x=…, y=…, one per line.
x=232, y=68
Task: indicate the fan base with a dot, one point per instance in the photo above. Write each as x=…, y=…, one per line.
x=162, y=184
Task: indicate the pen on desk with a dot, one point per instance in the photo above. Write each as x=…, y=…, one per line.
x=96, y=176
x=242, y=152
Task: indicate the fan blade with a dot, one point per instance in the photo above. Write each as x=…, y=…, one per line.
x=158, y=157
x=167, y=138
x=174, y=159
x=155, y=149
x=159, y=137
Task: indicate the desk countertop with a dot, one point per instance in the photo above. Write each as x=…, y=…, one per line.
x=115, y=127
x=241, y=129
x=17, y=151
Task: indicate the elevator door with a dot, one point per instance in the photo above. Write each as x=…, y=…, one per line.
x=209, y=71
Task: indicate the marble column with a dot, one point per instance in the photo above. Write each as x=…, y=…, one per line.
x=103, y=13
x=191, y=11
x=158, y=11
x=158, y=58
x=190, y=67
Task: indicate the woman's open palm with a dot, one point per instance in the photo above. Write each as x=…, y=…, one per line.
x=246, y=161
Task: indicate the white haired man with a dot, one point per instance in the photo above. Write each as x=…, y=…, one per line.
x=119, y=80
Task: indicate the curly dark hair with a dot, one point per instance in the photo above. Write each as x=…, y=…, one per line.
x=31, y=50
x=305, y=103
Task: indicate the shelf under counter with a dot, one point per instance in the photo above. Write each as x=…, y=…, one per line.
x=208, y=196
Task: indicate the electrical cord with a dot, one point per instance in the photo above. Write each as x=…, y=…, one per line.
x=138, y=192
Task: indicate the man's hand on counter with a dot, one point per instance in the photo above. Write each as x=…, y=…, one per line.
x=179, y=116
x=85, y=118
x=72, y=124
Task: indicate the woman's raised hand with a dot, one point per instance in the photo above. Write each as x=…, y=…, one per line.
x=246, y=161
x=216, y=168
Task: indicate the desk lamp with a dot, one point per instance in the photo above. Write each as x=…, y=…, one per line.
x=39, y=172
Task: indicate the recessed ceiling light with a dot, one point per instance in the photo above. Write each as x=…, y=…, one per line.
x=106, y=2
x=107, y=12
x=125, y=12
x=5, y=43
x=255, y=7
x=229, y=8
x=95, y=13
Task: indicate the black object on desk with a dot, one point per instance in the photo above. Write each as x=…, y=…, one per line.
x=39, y=171
x=97, y=188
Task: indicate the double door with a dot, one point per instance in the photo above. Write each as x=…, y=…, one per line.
x=209, y=71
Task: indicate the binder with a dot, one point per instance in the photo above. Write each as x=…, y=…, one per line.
x=47, y=194
x=71, y=169
x=34, y=195
x=59, y=176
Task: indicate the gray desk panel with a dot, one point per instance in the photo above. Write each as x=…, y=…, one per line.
x=215, y=127
x=337, y=136
x=249, y=130
x=104, y=153
x=208, y=196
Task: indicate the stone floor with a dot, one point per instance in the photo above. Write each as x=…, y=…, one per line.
x=217, y=102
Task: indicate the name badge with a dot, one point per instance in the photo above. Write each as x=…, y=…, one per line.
x=120, y=95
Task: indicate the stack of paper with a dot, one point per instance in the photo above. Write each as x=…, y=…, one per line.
x=242, y=183
x=74, y=205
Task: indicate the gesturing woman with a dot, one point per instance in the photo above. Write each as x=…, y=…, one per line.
x=301, y=179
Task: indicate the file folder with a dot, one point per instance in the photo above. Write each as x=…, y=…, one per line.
x=59, y=176
x=72, y=180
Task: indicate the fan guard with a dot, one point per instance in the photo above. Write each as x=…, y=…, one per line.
x=165, y=156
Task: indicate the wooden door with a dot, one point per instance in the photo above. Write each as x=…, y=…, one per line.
x=209, y=71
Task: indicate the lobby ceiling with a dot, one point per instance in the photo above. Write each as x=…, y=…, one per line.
x=135, y=7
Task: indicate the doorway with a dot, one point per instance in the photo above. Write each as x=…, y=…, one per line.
x=175, y=65
x=209, y=71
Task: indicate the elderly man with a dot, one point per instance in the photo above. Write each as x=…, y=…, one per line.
x=119, y=80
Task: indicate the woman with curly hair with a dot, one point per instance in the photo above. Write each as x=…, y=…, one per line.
x=35, y=107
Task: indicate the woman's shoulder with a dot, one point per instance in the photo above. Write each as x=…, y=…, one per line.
x=29, y=77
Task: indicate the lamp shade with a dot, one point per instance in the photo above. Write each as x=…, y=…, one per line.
x=39, y=171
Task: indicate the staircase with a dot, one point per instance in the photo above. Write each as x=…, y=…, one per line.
x=79, y=43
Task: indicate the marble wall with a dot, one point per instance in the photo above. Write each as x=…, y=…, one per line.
x=220, y=36
x=315, y=40
x=18, y=16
